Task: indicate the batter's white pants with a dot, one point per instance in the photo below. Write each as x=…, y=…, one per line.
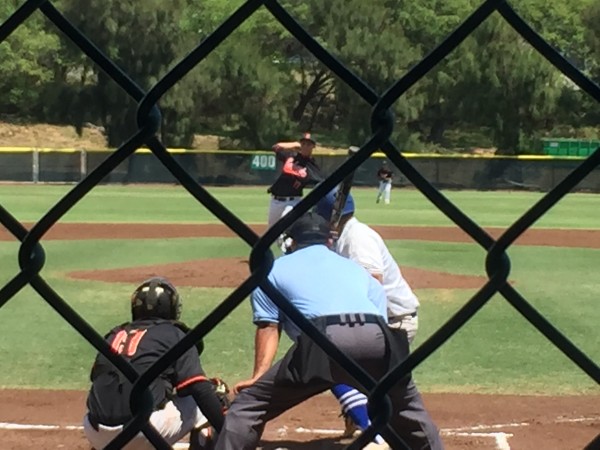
x=385, y=189
x=407, y=323
x=173, y=422
x=278, y=209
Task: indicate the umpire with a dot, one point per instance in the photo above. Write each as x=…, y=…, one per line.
x=347, y=305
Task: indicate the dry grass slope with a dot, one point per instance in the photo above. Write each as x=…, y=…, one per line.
x=54, y=136
x=49, y=136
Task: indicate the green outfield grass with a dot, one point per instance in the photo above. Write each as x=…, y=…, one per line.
x=170, y=204
x=497, y=351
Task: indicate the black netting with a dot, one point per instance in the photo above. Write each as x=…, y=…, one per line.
x=31, y=255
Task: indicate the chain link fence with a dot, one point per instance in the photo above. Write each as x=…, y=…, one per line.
x=31, y=255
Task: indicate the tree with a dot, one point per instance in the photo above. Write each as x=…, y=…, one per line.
x=28, y=58
x=570, y=28
x=261, y=84
x=365, y=37
x=253, y=88
x=516, y=89
x=284, y=88
x=591, y=17
x=447, y=87
x=560, y=24
x=115, y=27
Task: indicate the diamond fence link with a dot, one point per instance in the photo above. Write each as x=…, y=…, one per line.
x=31, y=255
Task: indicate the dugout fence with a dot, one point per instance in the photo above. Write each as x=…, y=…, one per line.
x=31, y=254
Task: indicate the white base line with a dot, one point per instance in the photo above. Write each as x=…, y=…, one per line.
x=450, y=432
x=579, y=419
x=19, y=426
x=489, y=427
x=446, y=431
x=500, y=437
x=25, y=427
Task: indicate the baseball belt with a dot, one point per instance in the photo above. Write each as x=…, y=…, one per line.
x=285, y=199
x=351, y=319
x=395, y=319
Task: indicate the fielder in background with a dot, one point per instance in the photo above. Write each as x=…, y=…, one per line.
x=299, y=170
x=185, y=400
x=384, y=175
x=349, y=307
x=360, y=243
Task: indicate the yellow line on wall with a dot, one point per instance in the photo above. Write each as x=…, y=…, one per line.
x=342, y=152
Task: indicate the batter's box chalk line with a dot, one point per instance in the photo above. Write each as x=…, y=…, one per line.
x=500, y=437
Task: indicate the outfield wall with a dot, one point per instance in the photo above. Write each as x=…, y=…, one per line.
x=260, y=168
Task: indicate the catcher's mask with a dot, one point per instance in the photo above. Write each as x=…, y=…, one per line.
x=155, y=297
x=309, y=229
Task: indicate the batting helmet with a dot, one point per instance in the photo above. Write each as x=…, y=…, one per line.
x=155, y=297
x=324, y=207
x=309, y=229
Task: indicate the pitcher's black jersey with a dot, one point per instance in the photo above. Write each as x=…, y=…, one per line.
x=297, y=172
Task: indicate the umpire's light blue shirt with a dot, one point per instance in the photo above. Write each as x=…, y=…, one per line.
x=319, y=283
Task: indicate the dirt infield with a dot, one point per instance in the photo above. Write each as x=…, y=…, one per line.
x=68, y=231
x=51, y=419
x=467, y=422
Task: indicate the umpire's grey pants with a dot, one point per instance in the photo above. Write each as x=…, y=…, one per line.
x=267, y=398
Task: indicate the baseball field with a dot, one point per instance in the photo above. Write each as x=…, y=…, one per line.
x=498, y=383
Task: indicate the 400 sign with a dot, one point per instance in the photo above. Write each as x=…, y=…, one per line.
x=263, y=162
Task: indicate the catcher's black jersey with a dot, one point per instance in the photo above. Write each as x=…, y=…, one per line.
x=297, y=173
x=142, y=343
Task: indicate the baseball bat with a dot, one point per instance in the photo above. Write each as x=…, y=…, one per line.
x=342, y=194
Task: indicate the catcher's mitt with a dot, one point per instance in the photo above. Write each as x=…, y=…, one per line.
x=222, y=391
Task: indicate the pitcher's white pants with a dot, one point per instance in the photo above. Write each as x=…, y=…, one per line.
x=278, y=209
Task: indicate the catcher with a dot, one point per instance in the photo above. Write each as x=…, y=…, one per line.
x=185, y=400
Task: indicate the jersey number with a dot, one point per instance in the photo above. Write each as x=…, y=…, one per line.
x=127, y=342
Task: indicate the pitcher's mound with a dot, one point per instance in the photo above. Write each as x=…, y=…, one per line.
x=231, y=272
